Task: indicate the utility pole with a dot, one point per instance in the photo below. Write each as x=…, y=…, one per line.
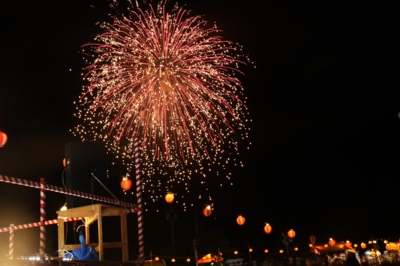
x=196, y=257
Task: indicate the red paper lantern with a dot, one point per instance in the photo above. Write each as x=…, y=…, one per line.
x=207, y=211
x=3, y=139
x=169, y=198
x=267, y=228
x=240, y=220
x=312, y=239
x=291, y=233
x=126, y=183
x=363, y=245
x=332, y=242
x=64, y=162
x=348, y=244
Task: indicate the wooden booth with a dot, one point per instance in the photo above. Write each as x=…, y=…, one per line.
x=92, y=213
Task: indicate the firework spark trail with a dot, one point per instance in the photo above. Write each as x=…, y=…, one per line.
x=170, y=80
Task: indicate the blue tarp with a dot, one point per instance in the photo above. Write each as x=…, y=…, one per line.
x=84, y=252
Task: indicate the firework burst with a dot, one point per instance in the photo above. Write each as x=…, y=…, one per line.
x=168, y=79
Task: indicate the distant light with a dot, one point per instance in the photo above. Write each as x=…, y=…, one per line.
x=207, y=211
x=291, y=233
x=169, y=197
x=312, y=239
x=3, y=139
x=267, y=228
x=348, y=244
x=240, y=220
x=64, y=207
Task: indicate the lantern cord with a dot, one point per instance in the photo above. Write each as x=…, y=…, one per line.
x=106, y=189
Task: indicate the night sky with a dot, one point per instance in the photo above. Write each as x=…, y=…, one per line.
x=324, y=98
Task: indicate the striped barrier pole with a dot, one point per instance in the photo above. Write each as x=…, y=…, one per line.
x=42, y=229
x=139, y=202
x=11, y=244
x=31, y=225
x=12, y=227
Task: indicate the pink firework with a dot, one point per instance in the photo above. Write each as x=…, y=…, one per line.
x=170, y=80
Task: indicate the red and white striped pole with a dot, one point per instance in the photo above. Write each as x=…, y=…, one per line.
x=139, y=200
x=42, y=215
x=31, y=225
x=11, y=243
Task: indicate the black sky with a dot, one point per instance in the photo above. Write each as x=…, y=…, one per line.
x=324, y=99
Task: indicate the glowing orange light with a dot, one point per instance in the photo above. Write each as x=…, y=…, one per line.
x=169, y=198
x=240, y=220
x=126, y=183
x=3, y=139
x=332, y=242
x=267, y=228
x=291, y=233
x=363, y=245
x=281, y=251
x=207, y=211
x=348, y=244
